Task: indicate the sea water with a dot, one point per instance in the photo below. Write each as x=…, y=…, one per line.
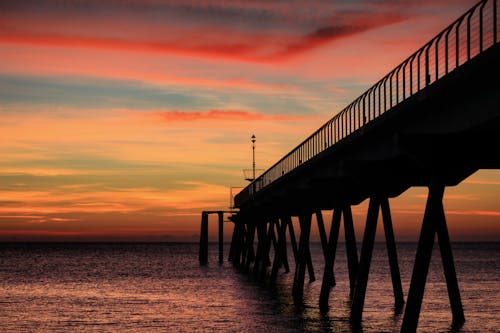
x=160, y=287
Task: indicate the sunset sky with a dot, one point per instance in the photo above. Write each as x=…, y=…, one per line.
x=124, y=119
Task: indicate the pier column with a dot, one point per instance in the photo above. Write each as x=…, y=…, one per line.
x=284, y=256
x=392, y=254
x=303, y=257
x=230, y=256
x=351, y=248
x=203, y=255
x=330, y=259
x=324, y=245
x=250, y=255
x=221, y=236
x=280, y=253
x=238, y=234
x=293, y=240
x=434, y=222
x=259, y=258
x=267, y=248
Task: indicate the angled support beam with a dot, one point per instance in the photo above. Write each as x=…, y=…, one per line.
x=231, y=247
x=330, y=260
x=243, y=245
x=434, y=222
x=259, y=257
x=267, y=248
x=392, y=254
x=283, y=247
x=238, y=242
x=280, y=253
x=302, y=257
x=364, y=262
x=324, y=245
x=351, y=248
x=250, y=255
x=293, y=240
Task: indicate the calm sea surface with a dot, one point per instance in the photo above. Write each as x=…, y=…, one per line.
x=160, y=287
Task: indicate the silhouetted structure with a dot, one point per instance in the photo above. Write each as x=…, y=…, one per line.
x=432, y=121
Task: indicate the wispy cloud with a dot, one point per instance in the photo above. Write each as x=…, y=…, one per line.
x=225, y=115
x=253, y=31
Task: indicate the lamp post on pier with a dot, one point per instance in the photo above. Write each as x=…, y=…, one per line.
x=253, y=156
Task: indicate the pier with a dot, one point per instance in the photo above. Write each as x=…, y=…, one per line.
x=431, y=122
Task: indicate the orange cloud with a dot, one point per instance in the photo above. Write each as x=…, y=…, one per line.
x=218, y=115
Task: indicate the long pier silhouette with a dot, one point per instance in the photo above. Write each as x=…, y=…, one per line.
x=432, y=122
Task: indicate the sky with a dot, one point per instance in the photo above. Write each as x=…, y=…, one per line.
x=124, y=119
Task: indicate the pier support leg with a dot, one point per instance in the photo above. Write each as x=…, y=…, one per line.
x=278, y=255
x=324, y=246
x=310, y=268
x=221, y=237
x=449, y=270
x=364, y=262
x=203, y=255
x=250, y=251
x=434, y=221
x=302, y=257
x=259, y=258
x=239, y=230
x=284, y=255
x=243, y=244
x=230, y=256
x=351, y=248
x=267, y=249
x=330, y=260
x=392, y=254
x=293, y=240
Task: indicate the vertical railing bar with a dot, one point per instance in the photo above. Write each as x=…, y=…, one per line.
x=411, y=74
x=446, y=50
x=364, y=110
x=457, y=43
x=468, y=35
x=436, y=45
x=397, y=85
x=385, y=94
x=404, y=79
x=374, y=104
x=427, y=74
x=390, y=91
x=418, y=69
x=494, y=21
x=481, y=27
x=379, y=100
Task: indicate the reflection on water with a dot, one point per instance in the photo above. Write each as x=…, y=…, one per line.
x=161, y=287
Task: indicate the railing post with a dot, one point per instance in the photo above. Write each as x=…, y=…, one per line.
x=494, y=21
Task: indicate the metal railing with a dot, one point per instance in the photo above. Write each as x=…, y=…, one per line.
x=469, y=35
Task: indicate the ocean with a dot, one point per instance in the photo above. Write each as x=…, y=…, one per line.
x=160, y=287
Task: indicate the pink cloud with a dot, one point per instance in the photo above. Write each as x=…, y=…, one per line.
x=195, y=33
